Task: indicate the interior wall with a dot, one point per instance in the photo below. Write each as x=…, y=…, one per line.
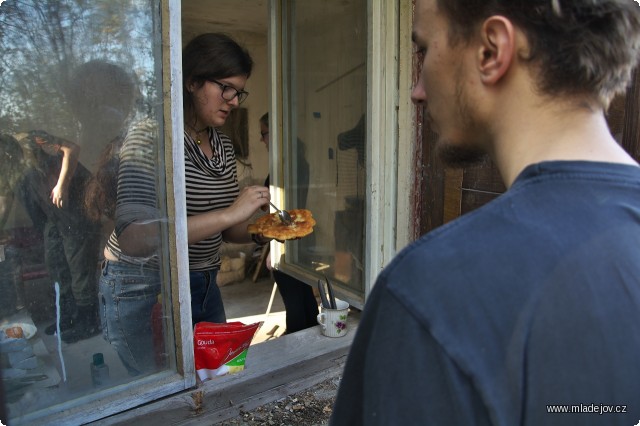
x=330, y=88
x=257, y=104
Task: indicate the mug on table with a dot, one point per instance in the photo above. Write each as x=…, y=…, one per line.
x=333, y=322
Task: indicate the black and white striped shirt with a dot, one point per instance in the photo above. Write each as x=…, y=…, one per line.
x=212, y=184
x=137, y=199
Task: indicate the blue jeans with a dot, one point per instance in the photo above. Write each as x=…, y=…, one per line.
x=206, y=300
x=127, y=294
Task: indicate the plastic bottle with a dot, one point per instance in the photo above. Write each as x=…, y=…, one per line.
x=99, y=370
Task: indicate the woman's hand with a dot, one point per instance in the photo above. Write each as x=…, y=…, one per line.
x=251, y=199
x=231, y=222
x=58, y=195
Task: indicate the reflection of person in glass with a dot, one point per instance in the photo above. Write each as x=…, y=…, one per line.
x=299, y=302
x=215, y=71
x=102, y=98
x=52, y=194
x=355, y=138
x=348, y=229
x=50, y=188
x=130, y=281
x=53, y=187
x=12, y=166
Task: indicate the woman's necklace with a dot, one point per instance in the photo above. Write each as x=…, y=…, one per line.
x=197, y=132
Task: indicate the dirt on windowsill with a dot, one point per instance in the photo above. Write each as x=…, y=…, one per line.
x=311, y=407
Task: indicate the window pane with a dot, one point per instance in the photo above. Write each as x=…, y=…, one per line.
x=81, y=103
x=326, y=128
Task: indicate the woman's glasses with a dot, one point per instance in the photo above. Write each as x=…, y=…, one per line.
x=229, y=92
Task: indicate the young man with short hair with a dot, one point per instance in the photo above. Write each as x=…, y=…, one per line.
x=530, y=304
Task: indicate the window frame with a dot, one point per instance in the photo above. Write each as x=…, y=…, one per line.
x=131, y=395
x=390, y=166
x=176, y=190
x=390, y=155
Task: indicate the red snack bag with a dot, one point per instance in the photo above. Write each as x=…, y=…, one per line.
x=221, y=349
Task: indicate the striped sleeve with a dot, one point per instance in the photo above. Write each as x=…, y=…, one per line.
x=137, y=181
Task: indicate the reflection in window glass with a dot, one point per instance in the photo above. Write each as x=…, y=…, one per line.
x=326, y=133
x=78, y=110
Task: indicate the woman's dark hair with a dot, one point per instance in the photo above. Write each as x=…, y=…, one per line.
x=579, y=47
x=102, y=189
x=97, y=84
x=211, y=56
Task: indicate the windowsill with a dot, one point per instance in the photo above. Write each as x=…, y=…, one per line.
x=273, y=370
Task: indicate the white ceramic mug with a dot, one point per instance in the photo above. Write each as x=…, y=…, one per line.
x=333, y=322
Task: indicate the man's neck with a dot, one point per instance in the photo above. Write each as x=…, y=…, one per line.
x=547, y=130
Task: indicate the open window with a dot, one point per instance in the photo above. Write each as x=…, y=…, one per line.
x=78, y=75
x=336, y=105
x=330, y=75
x=324, y=136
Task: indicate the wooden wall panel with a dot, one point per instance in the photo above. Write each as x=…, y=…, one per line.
x=481, y=184
x=471, y=199
x=447, y=194
x=432, y=184
x=483, y=177
x=452, y=194
x=631, y=127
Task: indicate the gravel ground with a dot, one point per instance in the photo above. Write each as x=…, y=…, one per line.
x=311, y=407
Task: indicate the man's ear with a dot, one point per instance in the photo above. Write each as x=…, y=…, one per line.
x=497, y=48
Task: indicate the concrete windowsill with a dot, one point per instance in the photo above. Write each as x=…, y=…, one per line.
x=273, y=370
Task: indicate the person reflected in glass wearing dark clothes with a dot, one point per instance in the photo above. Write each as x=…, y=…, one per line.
x=53, y=185
x=299, y=301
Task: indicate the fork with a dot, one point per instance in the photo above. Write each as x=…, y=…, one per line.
x=284, y=216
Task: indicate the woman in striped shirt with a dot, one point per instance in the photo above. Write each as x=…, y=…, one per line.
x=215, y=71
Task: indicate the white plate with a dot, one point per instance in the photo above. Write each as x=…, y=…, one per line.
x=29, y=330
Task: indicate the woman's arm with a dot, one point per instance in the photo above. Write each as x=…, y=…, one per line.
x=137, y=223
x=70, y=154
x=238, y=234
x=231, y=222
x=140, y=239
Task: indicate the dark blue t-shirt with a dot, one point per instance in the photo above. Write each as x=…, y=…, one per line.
x=529, y=302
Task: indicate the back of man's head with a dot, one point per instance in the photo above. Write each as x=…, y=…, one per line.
x=578, y=47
